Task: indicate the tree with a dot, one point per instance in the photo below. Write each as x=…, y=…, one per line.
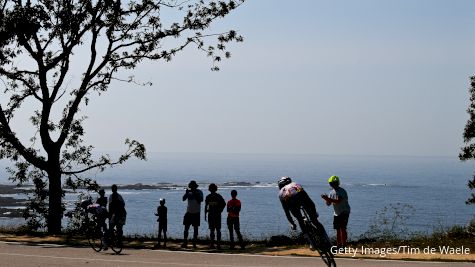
x=468, y=151
x=38, y=40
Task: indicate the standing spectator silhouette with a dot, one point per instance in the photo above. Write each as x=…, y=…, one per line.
x=192, y=215
x=117, y=212
x=162, y=223
x=214, y=206
x=234, y=207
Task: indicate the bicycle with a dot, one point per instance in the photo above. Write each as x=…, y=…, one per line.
x=114, y=242
x=96, y=238
x=318, y=239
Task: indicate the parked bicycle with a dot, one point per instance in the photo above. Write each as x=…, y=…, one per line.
x=319, y=240
x=95, y=232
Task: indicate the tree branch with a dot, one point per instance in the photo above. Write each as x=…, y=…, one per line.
x=11, y=139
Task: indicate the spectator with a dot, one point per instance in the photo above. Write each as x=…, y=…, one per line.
x=214, y=206
x=192, y=215
x=162, y=223
x=234, y=207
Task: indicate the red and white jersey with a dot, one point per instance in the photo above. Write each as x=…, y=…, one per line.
x=289, y=191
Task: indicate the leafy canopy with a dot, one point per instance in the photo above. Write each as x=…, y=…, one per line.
x=39, y=42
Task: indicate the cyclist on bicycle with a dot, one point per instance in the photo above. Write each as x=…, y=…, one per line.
x=293, y=197
x=102, y=210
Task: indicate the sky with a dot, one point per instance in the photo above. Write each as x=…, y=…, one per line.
x=360, y=77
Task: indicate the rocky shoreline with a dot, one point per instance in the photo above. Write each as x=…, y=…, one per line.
x=10, y=207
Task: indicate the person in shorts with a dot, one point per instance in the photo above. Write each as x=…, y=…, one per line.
x=192, y=215
x=339, y=199
x=214, y=206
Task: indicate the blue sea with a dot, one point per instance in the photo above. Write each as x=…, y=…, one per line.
x=435, y=188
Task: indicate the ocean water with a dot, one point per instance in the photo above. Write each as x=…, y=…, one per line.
x=435, y=188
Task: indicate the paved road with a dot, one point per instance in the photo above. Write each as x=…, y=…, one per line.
x=17, y=254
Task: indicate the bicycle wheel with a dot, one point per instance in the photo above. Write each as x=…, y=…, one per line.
x=321, y=237
x=327, y=257
x=115, y=242
x=320, y=241
x=94, y=237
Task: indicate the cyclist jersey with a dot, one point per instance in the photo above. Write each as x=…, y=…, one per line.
x=96, y=209
x=288, y=192
x=102, y=201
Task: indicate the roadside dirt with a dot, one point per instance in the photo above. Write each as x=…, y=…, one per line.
x=250, y=249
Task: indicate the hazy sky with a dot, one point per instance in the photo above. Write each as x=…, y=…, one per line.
x=323, y=77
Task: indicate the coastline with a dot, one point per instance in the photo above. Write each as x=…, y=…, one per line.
x=454, y=236
x=9, y=206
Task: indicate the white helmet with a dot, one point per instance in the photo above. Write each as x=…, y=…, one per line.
x=284, y=181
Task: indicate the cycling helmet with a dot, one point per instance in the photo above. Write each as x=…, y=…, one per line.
x=284, y=181
x=334, y=179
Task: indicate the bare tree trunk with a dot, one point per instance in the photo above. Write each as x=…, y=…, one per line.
x=55, y=211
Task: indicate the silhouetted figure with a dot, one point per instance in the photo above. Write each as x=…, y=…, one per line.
x=234, y=207
x=102, y=199
x=339, y=198
x=117, y=213
x=214, y=206
x=162, y=223
x=102, y=215
x=192, y=215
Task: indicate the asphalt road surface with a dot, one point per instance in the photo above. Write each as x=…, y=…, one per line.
x=24, y=255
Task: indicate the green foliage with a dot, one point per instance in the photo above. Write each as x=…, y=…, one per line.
x=114, y=37
x=76, y=216
x=390, y=223
x=468, y=151
x=471, y=227
x=36, y=208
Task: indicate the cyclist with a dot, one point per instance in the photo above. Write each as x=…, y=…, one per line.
x=117, y=212
x=102, y=199
x=293, y=197
x=102, y=210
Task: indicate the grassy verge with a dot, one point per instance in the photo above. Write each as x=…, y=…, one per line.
x=439, y=246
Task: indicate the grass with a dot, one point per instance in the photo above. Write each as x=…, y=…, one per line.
x=456, y=236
